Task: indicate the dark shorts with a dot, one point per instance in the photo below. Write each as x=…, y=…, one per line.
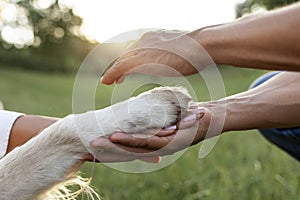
x=287, y=139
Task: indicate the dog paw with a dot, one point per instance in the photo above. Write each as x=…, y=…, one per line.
x=157, y=108
x=154, y=109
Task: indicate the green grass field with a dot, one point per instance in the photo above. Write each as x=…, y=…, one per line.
x=243, y=165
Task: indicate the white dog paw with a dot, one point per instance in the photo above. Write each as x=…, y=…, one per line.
x=157, y=108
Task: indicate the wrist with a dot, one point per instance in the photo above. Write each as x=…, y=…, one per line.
x=230, y=113
x=218, y=113
x=211, y=38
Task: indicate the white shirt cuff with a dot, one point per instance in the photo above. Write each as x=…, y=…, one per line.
x=7, y=119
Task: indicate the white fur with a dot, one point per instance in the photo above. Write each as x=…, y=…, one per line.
x=49, y=159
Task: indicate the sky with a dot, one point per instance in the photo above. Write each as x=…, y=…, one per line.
x=103, y=20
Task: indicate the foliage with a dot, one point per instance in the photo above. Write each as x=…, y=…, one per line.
x=249, y=6
x=65, y=56
x=41, y=35
x=50, y=21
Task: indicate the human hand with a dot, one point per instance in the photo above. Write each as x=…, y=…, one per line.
x=112, y=152
x=188, y=131
x=163, y=53
x=131, y=150
x=118, y=153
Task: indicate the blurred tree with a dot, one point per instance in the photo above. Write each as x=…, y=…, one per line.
x=249, y=6
x=41, y=34
x=36, y=22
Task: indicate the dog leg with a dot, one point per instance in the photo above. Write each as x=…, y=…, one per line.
x=157, y=108
x=33, y=168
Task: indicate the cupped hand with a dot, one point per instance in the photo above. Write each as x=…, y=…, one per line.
x=111, y=153
x=149, y=148
x=188, y=133
x=162, y=52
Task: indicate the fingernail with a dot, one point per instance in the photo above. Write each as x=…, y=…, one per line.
x=169, y=128
x=95, y=143
x=200, y=115
x=198, y=111
x=98, y=142
x=101, y=79
x=117, y=137
x=189, y=118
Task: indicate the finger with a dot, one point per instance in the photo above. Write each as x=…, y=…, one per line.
x=158, y=132
x=181, y=140
x=189, y=135
x=180, y=125
x=105, y=144
x=167, y=131
x=109, y=158
x=112, y=157
x=152, y=142
x=157, y=141
x=165, y=145
x=187, y=122
x=199, y=113
x=113, y=74
x=120, y=69
x=190, y=120
x=140, y=61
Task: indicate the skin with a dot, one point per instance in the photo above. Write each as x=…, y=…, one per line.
x=264, y=41
x=272, y=104
x=26, y=127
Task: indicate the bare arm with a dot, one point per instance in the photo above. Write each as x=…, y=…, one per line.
x=269, y=40
x=265, y=41
x=26, y=127
x=274, y=104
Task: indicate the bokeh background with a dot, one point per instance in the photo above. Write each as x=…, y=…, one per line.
x=42, y=45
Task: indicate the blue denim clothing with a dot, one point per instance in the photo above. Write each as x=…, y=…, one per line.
x=287, y=139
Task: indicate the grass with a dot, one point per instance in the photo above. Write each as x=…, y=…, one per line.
x=243, y=165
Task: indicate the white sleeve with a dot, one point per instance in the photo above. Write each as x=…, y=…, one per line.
x=7, y=119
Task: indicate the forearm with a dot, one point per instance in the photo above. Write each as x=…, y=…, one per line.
x=275, y=104
x=26, y=127
x=268, y=40
x=48, y=159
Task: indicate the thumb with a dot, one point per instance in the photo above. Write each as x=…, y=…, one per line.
x=113, y=74
x=120, y=69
